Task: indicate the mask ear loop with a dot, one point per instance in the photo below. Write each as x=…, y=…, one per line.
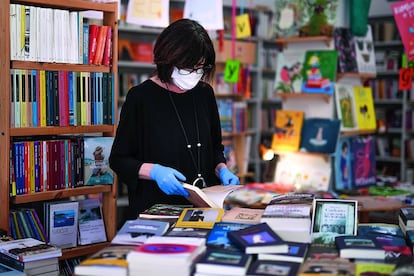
x=197, y=180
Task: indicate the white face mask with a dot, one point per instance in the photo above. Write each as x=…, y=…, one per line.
x=187, y=80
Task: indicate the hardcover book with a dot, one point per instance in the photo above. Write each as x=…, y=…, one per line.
x=199, y=217
x=272, y=267
x=359, y=247
x=218, y=236
x=96, y=163
x=319, y=71
x=364, y=108
x=332, y=218
x=218, y=261
x=288, y=18
x=137, y=231
x=288, y=75
x=320, y=135
x=258, y=238
x=407, y=216
x=327, y=266
x=296, y=253
x=110, y=260
x=288, y=125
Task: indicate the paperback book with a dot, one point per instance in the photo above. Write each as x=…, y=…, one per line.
x=199, y=217
x=288, y=76
x=218, y=236
x=243, y=215
x=96, y=160
x=29, y=249
x=213, y=196
x=320, y=135
x=288, y=125
x=296, y=253
x=359, y=247
x=163, y=211
x=272, y=267
x=91, y=222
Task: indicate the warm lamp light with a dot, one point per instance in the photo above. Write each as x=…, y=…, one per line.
x=266, y=153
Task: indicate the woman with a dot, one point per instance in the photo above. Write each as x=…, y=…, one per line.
x=169, y=129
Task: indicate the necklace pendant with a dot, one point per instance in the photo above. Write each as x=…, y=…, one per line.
x=189, y=146
x=199, y=145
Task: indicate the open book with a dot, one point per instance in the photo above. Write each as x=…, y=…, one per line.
x=212, y=196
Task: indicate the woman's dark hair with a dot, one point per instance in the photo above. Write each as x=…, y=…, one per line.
x=183, y=44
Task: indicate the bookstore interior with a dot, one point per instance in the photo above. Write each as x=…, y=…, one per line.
x=316, y=114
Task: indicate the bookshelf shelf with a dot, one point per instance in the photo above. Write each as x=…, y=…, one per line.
x=58, y=66
x=82, y=250
x=358, y=132
x=284, y=41
x=29, y=131
x=325, y=97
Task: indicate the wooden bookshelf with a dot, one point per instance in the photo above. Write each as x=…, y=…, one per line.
x=7, y=133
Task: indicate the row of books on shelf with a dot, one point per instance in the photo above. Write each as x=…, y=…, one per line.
x=56, y=163
x=234, y=115
x=385, y=30
x=61, y=98
x=385, y=89
x=245, y=241
x=70, y=40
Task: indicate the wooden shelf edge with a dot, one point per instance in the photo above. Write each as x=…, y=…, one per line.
x=51, y=130
x=31, y=65
x=358, y=132
x=304, y=39
x=72, y=4
x=363, y=76
x=324, y=96
x=82, y=250
x=59, y=194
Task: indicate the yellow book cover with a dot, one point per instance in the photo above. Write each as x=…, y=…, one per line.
x=373, y=268
x=288, y=125
x=42, y=102
x=364, y=108
x=199, y=217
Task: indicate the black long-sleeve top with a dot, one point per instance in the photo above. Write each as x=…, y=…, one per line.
x=149, y=132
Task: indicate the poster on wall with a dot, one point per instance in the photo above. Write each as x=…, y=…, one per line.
x=403, y=12
x=153, y=13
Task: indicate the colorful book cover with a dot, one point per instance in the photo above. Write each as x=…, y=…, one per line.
x=344, y=44
x=364, y=107
x=363, y=161
x=342, y=167
x=319, y=135
x=288, y=18
x=225, y=109
x=96, y=160
x=288, y=76
x=199, y=217
x=403, y=12
x=230, y=154
x=365, y=54
x=319, y=71
x=217, y=238
x=345, y=106
x=288, y=125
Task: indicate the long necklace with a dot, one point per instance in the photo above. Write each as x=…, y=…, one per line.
x=198, y=144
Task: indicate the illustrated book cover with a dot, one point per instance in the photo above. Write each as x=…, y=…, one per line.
x=342, y=164
x=403, y=12
x=160, y=211
x=137, y=231
x=288, y=18
x=243, y=215
x=359, y=247
x=219, y=261
x=345, y=45
x=288, y=132
x=29, y=249
x=296, y=253
x=365, y=53
x=213, y=196
x=345, y=106
x=258, y=238
x=288, y=75
x=217, y=238
x=363, y=161
x=320, y=135
x=91, y=222
x=199, y=217
x=272, y=267
x=332, y=218
x=96, y=160
x=364, y=108
x=327, y=266
x=319, y=71
x=110, y=260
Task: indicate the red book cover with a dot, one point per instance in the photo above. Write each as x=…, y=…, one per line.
x=107, y=55
x=403, y=12
x=93, y=36
x=100, y=45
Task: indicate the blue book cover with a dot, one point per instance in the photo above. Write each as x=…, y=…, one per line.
x=320, y=135
x=363, y=161
x=342, y=166
x=217, y=237
x=96, y=160
x=72, y=100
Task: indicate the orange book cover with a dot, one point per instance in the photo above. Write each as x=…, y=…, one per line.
x=100, y=45
x=107, y=54
x=288, y=125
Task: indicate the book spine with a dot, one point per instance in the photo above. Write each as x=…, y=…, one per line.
x=93, y=36
x=100, y=44
x=107, y=55
x=11, y=262
x=35, y=99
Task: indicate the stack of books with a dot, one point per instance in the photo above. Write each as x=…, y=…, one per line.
x=30, y=256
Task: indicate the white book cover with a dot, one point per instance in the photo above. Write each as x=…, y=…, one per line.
x=63, y=223
x=365, y=53
x=13, y=34
x=91, y=222
x=30, y=250
x=288, y=76
x=32, y=34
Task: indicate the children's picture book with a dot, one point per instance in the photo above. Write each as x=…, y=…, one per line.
x=217, y=238
x=359, y=247
x=364, y=108
x=199, y=217
x=319, y=71
x=365, y=53
x=403, y=12
x=296, y=253
x=363, y=161
x=345, y=106
x=273, y=267
x=345, y=45
x=111, y=260
x=219, y=261
x=332, y=218
x=96, y=160
x=91, y=222
x=212, y=196
x=162, y=211
x=137, y=231
x=320, y=135
x=243, y=215
x=342, y=164
x=288, y=75
x=288, y=132
x=258, y=238
x=288, y=18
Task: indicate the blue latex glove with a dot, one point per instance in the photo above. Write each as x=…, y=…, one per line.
x=227, y=177
x=168, y=180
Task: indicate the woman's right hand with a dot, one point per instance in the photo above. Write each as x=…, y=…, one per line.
x=168, y=179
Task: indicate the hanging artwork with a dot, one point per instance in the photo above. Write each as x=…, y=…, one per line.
x=208, y=13
x=154, y=13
